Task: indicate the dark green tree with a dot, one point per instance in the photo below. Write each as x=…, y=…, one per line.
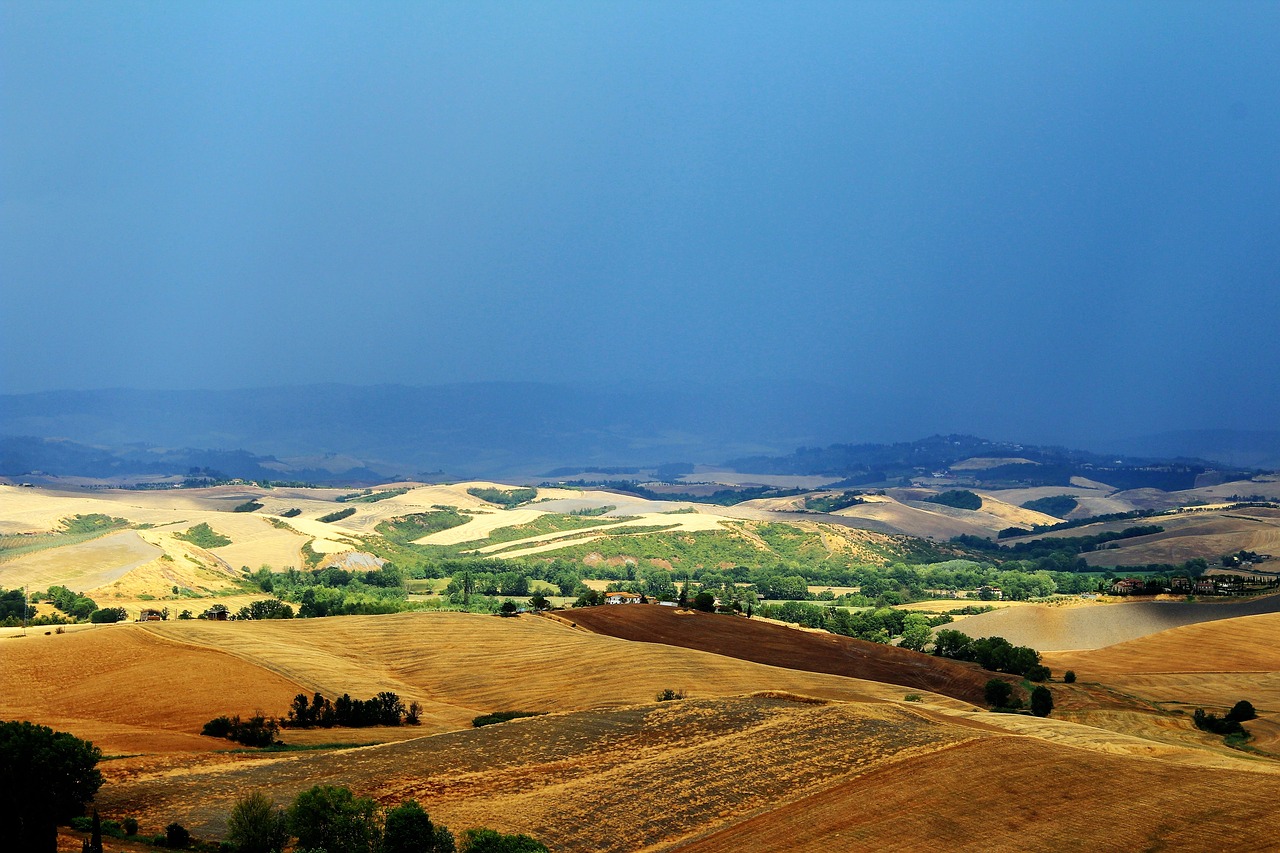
x=997, y=692
x=1241, y=711
x=408, y=829
x=1041, y=701
x=704, y=601
x=1069, y=676
x=176, y=836
x=257, y=825
x=47, y=778
x=334, y=819
x=95, y=834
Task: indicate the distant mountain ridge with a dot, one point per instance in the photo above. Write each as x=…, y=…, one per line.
x=1030, y=465
x=520, y=430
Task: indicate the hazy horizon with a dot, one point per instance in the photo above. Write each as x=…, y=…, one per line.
x=1041, y=222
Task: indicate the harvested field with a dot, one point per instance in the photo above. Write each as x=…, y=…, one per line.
x=612, y=781
x=766, y=643
x=1042, y=797
x=129, y=690
x=85, y=566
x=1094, y=626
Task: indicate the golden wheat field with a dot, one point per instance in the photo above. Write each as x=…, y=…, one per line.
x=759, y=758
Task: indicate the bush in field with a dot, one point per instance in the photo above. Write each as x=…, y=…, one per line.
x=204, y=536
x=704, y=601
x=1069, y=676
x=1041, y=701
x=176, y=836
x=408, y=829
x=489, y=841
x=257, y=825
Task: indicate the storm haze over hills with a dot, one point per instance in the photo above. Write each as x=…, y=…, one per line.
x=678, y=230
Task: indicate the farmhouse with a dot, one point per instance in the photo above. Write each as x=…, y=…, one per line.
x=621, y=598
x=150, y=615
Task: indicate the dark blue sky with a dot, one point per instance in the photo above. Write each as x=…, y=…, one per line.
x=1052, y=220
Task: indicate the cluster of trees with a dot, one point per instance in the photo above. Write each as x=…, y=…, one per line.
x=880, y=625
x=333, y=591
x=385, y=709
x=832, y=503
x=247, y=506
x=994, y=653
x=334, y=820
x=73, y=604
x=48, y=777
x=1056, y=505
x=338, y=515
x=1229, y=724
x=108, y=615
x=958, y=498
x=51, y=776
x=504, y=497
x=268, y=608
x=1002, y=696
x=14, y=608
x=253, y=731
x=721, y=497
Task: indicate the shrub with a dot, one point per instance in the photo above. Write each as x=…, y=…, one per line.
x=257, y=825
x=704, y=601
x=1041, y=701
x=489, y=841
x=204, y=536
x=669, y=695
x=501, y=717
x=176, y=836
x=130, y=826
x=1069, y=676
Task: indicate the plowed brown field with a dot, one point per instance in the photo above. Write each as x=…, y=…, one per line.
x=765, y=642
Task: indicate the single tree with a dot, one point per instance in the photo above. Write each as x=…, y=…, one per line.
x=176, y=836
x=704, y=601
x=997, y=693
x=48, y=778
x=257, y=825
x=915, y=632
x=95, y=834
x=1041, y=701
x=408, y=829
x=334, y=819
x=1241, y=711
x=1069, y=676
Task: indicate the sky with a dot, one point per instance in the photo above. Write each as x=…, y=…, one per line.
x=1050, y=219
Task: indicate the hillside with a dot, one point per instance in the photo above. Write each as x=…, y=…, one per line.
x=767, y=643
x=607, y=769
x=1093, y=626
